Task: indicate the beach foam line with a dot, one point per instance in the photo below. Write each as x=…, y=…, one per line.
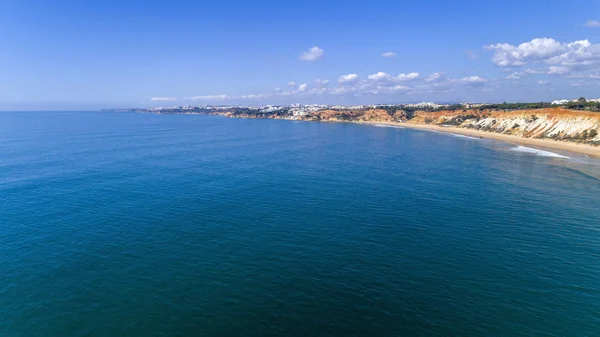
x=389, y=126
x=463, y=136
x=537, y=152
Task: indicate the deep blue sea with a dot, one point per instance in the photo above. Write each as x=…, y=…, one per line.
x=123, y=224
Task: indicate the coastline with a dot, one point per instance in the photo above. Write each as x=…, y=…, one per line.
x=545, y=143
x=589, y=150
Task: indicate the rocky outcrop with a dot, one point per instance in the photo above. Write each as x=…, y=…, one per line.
x=402, y=116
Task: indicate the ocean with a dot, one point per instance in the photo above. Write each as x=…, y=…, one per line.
x=124, y=224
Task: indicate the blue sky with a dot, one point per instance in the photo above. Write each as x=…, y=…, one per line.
x=87, y=55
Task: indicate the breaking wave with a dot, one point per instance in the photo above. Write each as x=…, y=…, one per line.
x=537, y=152
x=463, y=136
x=389, y=126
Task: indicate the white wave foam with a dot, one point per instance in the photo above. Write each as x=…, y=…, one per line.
x=463, y=136
x=537, y=152
x=389, y=126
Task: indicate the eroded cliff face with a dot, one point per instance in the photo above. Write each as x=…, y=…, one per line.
x=557, y=123
x=554, y=123
x=372, y=115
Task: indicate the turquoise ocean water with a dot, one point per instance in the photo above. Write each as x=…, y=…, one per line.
x=119, y=224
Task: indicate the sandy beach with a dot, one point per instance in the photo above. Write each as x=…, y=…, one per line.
x=592, y=151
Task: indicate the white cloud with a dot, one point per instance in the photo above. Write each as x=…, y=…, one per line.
x=341, y=91
x=507, y=55
x=389, y=54
x=592, y=24
x=590, y=76
x=318, y=91
x=534, y=71
x=313, y=54
x=291, y=84
x=473, y=79
x=472, y=55
x=540, y=82
x=435, y=77
x=350, y=78
x=163, y=99
x=220, y=97
x=407, y=77
x=576, y=59
x=379, y=84
x=255, y=96
x=558, y=70
x=566, y=59
x=399, y=88
x=514, y=76
x=578, y=54
x=285, y=93
x=380, y=76
x=382, y=90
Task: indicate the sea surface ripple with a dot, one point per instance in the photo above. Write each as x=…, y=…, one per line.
x=121, y=224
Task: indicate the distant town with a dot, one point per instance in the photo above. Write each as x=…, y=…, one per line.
x=575, y=121
x=299, y=110
x=294, y=109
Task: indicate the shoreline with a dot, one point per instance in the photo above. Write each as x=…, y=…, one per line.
x=589, y=150
x=543, y=144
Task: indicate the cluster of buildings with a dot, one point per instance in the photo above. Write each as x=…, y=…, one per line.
x=304, y=109
x=294, y=109
x=469, y=105
x=301, y=110
x=565, y=101
x=187, y=108
x=424, y=105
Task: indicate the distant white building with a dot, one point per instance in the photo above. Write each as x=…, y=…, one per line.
x=470, y=105
x=270, y=108
x=425, y=105
x=560, y=102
